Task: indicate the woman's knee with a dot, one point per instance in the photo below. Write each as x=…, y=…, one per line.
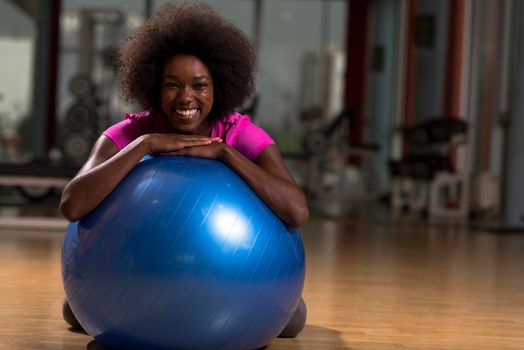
x=69, y=316
x=297, y=322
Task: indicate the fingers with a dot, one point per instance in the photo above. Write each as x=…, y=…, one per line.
x=173, y=142
x=213, y=150
x=206, y=140
x=196, y=143
x=197, y=138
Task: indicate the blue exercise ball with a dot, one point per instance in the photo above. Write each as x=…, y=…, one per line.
x=183, y=255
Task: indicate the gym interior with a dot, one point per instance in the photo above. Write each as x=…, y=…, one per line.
x=401, y=120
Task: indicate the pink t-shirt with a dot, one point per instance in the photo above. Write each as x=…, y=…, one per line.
x=237, y=131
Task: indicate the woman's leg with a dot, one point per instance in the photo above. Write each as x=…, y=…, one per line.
x=297, y=322
x=69, y=317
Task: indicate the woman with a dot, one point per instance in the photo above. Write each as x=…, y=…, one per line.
x=189, y=69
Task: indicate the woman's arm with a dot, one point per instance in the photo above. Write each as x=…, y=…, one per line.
x=267, y=176
x=107, y=166
x=271, y=180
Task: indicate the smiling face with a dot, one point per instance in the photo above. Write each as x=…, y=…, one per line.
x=187, y=94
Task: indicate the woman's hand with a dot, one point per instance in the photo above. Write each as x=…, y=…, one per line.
x=213, y=150
x=171, y=143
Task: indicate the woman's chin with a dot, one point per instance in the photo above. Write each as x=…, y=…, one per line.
x=188, y=124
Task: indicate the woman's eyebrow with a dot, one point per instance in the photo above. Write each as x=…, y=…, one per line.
x=201, y=77
x=167, y=76
x=198, y=77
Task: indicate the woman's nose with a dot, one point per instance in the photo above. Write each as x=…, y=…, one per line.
x=187, y=94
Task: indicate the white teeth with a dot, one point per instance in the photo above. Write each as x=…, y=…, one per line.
x=186, y=112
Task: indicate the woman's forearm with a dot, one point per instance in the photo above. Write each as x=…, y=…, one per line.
x=282, y=195
x=99, y=177
x=107, y=166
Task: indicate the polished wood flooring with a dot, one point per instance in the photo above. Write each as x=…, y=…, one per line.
x=390, y=284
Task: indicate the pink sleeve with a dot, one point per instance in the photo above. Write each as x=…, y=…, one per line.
x=124, y=132
x=248, y=138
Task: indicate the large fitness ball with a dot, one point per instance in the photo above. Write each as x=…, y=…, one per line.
x=184, y=255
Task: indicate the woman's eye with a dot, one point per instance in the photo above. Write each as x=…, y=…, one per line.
x=200, y=86
x=171, y=85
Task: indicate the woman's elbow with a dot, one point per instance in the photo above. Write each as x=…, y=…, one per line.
x=299, y=216
x=65, y=212
x=68, y=211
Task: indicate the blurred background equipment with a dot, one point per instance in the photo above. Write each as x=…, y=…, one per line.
x=352, y=91
x=40, y=150
x=425, y=179
x=94, y=84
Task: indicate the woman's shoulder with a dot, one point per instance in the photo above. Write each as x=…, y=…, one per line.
x=229, y=125
x=237, y=126
x=139, y=116
x=235, y=118
x=244, y=135
x=147, y=121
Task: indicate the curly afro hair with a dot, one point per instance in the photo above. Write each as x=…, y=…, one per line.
x=193, y=29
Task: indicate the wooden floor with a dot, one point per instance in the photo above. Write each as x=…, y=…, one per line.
x=370, y=285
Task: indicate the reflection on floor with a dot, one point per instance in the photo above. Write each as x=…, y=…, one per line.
x=388, y=284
